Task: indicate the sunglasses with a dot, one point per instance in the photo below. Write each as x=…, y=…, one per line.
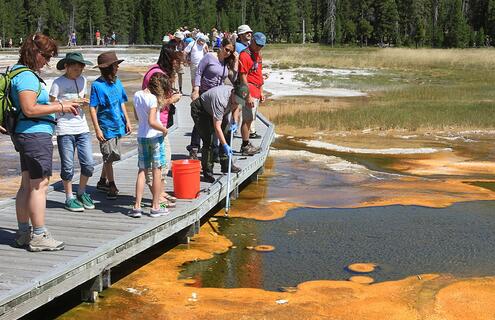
x=228, y=50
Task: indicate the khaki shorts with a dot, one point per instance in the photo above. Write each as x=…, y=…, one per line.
x=110, y=150
x=249, y=114
x=193, y=71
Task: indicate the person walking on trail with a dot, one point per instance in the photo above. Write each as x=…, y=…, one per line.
x=32, y=138
x=151, y=148
x=73, y=39
x=109, y=117
x=212, y=71
x=210, y=114
x=195, y=51
x=114, y=38
x=73, y=131
x=98, y=37
x=166, y=61
x=178, y=45
x=251, y=74
x=244, y=36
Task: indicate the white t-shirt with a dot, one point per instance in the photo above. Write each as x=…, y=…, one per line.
x=197, y=52
x=143, y=103
x=65, y=89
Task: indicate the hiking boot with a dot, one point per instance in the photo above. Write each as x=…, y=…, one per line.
x=74, y=205
x=193, y=154
x=158, y=212
x=22, y=238
x=86, y=201
x=209, y=178
x=112, y=192
x=44, y=242
x=233, y=169
x=102, y=186
x=249, y=150
x=135, y=213
x=254, y=135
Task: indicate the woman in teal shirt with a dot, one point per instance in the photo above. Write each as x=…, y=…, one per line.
x=33, y=140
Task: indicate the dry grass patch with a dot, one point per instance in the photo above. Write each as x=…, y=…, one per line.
x=388, y=58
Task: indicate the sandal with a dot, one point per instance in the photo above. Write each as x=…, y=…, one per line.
x=170, y=198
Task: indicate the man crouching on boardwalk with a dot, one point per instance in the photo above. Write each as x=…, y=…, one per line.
x=211, y=115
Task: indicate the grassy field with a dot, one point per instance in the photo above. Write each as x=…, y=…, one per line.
x=412, y=89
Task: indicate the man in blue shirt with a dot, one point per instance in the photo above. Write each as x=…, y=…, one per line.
x=244, y=35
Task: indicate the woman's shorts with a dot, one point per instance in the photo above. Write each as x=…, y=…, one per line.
x=151, y=153
x=36, y=153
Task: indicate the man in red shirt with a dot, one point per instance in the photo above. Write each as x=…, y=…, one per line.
x=98, y=37
x=251, y=74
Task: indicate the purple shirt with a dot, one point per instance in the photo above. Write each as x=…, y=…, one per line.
x=210, y=73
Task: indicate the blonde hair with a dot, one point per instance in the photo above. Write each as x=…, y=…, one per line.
x=159, y=85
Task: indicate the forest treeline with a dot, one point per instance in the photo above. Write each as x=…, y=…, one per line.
x=432, y=23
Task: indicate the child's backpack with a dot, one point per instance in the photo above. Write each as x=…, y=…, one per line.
x=9, y=114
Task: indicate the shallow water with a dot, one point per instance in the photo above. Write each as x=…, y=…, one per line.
x=318, y=244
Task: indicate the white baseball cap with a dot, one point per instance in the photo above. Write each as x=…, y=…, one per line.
x=244, y=29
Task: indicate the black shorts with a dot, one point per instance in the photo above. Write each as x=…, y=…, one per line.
x=36, y=153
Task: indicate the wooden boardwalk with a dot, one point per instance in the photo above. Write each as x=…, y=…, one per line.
x=100, y=239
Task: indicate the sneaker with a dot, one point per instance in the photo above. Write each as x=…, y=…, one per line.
x=249, y=150
x=86, y=201
x=193, y=154
x=254, y=135
x=158, y=212
x=102, y=186
x=22, y=238
x=44, y=242
x=112, y=193
x=233, y=169
x=74, y=205
x=135, y=213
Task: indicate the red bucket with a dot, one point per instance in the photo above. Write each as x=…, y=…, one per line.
x=186, y=178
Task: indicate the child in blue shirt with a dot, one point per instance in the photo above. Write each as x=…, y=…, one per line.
x=109, y=117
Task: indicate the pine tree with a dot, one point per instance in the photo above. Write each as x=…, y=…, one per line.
x=480, y=38
x=456, y=29
x=386, y=20
x=364, y=17
x=139, y=38
x=289, y=19
x=119, y=18
x=490, y=23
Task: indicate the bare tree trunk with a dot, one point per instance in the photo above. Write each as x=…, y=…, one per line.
x=435, y=21
x=331, y=19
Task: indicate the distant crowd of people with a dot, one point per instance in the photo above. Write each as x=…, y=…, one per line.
x=216, y=109
x=10, y=43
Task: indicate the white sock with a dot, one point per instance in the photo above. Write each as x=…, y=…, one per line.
x=69, y=196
